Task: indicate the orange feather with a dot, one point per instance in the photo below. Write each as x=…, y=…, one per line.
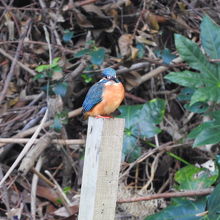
x=112, y=97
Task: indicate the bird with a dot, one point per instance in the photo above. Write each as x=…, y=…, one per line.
x=105, y=96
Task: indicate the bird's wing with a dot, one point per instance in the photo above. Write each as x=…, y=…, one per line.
x=93, y=96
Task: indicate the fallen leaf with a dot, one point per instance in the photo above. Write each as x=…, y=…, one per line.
x=47, y=193
x=125, y=42
x=62, y=212
x=81, y=19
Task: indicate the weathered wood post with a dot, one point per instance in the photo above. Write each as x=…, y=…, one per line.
x=101, y=169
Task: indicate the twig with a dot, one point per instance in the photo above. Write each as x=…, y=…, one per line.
x=135, y=98
x=201, y=192
x=166, y=147
x=35, y=152
x=11, y=72
x=46, y=124
x=78, y=70
x=139, y=19
x=60, y=192
x=26, y=9
x=34, y=189
x=42, y=177
x=25, y=149
x=157, y=71
x=4, y=194
x=136, y=66
x=85, y=2
x=58, y=141
x=40, y=43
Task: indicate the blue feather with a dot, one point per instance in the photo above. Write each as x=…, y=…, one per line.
x=94, y=95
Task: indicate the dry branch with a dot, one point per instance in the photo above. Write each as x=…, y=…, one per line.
x=25, y=149
x=201, y=192
x=58, y=141
x=11, y=71
x=32, y=72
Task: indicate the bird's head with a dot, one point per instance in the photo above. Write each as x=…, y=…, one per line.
x=109, y=73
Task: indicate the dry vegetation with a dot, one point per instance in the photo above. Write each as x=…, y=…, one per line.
x=32, y=34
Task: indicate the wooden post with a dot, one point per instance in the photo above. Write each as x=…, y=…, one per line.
x=101, y=169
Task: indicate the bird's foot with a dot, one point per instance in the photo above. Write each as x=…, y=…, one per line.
x=101, y=116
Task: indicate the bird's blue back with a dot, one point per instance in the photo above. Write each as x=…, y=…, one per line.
x=94, y=95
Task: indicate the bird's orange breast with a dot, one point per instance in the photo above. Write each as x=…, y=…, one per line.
x=112, y=97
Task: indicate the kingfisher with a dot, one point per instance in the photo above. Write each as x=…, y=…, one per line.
x=105, y=96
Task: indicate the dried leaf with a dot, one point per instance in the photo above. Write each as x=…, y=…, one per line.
x=125, y=43
x=47, y=193
x=91, y=8
x=56, y=17
x=10, y=24
x=62, y=212
x=134, y=52
x=15, y=213
x=81, y=19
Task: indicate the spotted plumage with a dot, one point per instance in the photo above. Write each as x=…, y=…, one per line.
x=105, y=96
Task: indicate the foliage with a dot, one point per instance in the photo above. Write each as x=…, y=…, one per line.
x=140, y=122
x=166, y=55
x=207, y=132
x=68, y=35
x=181, y=209
x=53, y=74
x=213, y=205
x=203, y=81
x=96, y=54
x=54, y=85
x=60, y=119
x=191, y=178
x=202, y=91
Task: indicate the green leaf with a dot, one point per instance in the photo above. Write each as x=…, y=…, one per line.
x=198, y=107
x=140, y=121
x=68, y=35
x=182, y=210
x=186, y=78
x=131, y=150
x=191, y=178
x=210, y=36
x=186, y=94
x=210, y=135
x=42, y=68
x=60, y=119
x=166, y=55
x=154, y=110
x=81, y=53
x=90, y=42
x=67, y=189
x=205, y=94
x=57, y=125
x=199, y=129
x=97, y=56
x=141, y=50
x=39, y=76
x=207, y=132
x=57, y=69
x=215, y=115
x=60, y=88
x=214, y=204
x=190, y=52
x=87, y=77
x=55, y=61
x=130, y=113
